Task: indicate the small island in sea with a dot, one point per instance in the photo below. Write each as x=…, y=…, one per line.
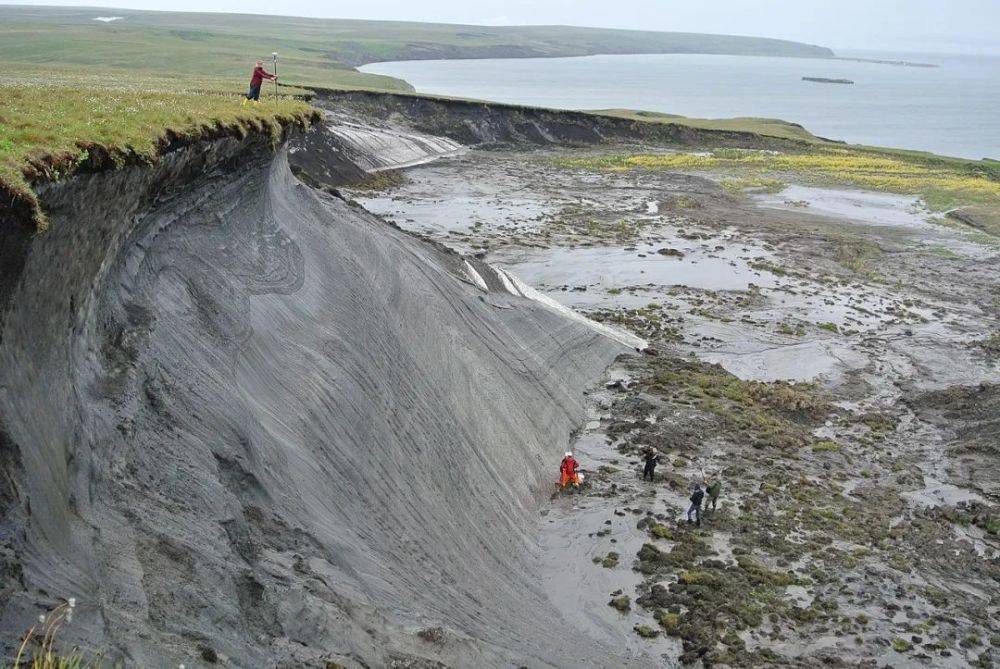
x=824, y=80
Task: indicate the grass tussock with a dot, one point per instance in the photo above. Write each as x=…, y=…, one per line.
x=991, y=344
x=49, y=131
x=943, y=183
x=37, y=649
x=860, y=256
x=755, y=184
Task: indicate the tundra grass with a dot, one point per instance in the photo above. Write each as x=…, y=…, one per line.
x=320, y=52
x=48, y=131
x=943, y=183
x=766, y=127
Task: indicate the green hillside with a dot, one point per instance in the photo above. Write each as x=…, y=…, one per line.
x=318, y=52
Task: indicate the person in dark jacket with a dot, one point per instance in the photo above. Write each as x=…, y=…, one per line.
x=696, y=497
x=258, y=77
x=649, y=469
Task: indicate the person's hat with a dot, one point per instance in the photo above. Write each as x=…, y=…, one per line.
x=569, y=454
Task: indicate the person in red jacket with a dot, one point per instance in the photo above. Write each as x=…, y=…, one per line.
x=568, y=470
x=259, y=75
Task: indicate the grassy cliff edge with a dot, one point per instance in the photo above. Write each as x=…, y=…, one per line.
x=48, y=132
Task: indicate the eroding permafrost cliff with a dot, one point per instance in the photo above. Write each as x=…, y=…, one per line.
x=244, y=419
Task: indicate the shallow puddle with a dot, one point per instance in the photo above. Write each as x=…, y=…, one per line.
x=866, y=207
x=566, y=272
x=753, y=360
x=936, y=493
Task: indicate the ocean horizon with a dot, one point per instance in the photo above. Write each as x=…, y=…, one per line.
x=949, y=109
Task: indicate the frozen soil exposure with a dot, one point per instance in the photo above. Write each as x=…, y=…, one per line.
x=246, y=420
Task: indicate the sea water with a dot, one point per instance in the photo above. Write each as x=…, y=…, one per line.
x=950, y=109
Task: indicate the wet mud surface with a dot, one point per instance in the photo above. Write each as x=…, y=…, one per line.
x=829, y=355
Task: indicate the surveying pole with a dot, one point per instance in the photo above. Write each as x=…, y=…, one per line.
x=274, y=60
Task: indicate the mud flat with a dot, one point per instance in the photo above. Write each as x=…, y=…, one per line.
x=828, y=351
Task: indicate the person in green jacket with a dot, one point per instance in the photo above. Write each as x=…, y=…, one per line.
x=712, y=492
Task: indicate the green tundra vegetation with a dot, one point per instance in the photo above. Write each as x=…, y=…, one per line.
x=52, y=123
x=942, y=183
x=320, y=52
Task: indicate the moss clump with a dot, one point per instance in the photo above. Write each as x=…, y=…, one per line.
x=901, y=645
x=662, y=532
x=857, y=255
x=695, y=577
x=646, y=632
x=797, y=329
x=683, y=554
x=622, y=603
x=991, y=344
x=670, y=622
x=775, y=414
x=610, y=560
x=970, y=641
x=879, y=423
x=825, y=445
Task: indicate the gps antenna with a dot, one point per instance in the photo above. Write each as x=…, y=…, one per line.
x=274, y=59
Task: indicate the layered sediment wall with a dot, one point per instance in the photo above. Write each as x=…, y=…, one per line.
x=244, y=419
x=470, y=122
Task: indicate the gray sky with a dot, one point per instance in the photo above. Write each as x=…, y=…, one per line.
x=971, y=26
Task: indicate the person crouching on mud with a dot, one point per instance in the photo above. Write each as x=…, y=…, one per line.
x=568, y=470
x=259, y=75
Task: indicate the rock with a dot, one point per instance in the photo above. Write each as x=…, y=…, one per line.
x=658, y=597
x=432, y=635
x=669, y=252
x=825, y=80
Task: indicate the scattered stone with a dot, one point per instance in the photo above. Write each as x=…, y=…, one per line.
x=672, y=253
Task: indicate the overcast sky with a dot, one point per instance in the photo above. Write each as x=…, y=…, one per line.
x=904, y=25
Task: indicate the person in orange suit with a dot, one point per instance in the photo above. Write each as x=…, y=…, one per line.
x=568, y=470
